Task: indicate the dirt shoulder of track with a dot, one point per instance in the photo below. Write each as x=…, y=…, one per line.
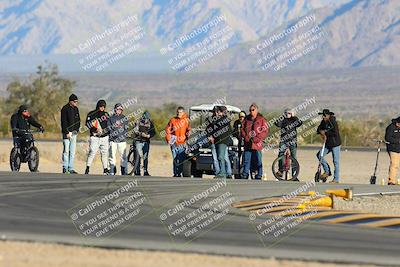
x=23, y=254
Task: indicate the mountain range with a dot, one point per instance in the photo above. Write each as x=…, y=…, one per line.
x=357, y=33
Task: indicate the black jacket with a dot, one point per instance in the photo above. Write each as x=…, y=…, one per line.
x=289, y=130
x=100, y=116
x=331, y=129
x=70, y=120
x=145, y=126
x=19, y=122
x=392, y=136
x=220, y=128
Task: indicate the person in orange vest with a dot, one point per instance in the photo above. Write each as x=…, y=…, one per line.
x=177, y=132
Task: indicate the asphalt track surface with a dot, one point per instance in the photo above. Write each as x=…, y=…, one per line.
x=38, y=207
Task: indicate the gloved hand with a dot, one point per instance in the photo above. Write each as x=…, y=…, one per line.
x=41, y=129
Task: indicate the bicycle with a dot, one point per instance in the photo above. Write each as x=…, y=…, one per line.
x=26, y=151
x=287, y=166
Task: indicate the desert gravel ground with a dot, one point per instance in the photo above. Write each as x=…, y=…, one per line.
x=22, y=254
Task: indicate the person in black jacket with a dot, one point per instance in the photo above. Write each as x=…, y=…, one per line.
x=237, y=128
x=288, y=125
x=97, y=123
x=70, y=124
x=392, y=137
x=21, y=122
x=144, y=130
x=329, y=130
x=219, y=133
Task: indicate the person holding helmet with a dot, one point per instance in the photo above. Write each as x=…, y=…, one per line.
x=97, y=121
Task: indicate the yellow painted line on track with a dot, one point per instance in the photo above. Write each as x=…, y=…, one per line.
x=358, y=217
x=382, y=223
x=269, y=200
x=329, y=213
x=299, y=211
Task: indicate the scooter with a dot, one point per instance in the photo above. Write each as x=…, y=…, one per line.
x=317, y=177
x=372, y=180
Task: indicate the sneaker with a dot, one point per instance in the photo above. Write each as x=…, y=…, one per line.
x=72, y=172
x=106, y=172
x=333, y=182
x=220, y=176
x=64, y=170
x=229, y=176
x=176, y=175
x=325, y=175
x=87, y=170
x=279, y=174
x=146, y=174
x=391, y=183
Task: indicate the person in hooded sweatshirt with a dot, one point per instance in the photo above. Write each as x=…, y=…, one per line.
x=329, y=130
x=392, y=138
x=21, y=122
x=118, y=127
x=144, y=130
x=96, y=122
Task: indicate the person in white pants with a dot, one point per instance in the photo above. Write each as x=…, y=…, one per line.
x=118, y=129
x=97, y=122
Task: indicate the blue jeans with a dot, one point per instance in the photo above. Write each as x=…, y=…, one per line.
x=68, y=154
x=143, y=149
x=178, y=155
x=336, y=161
x=215, y=159
x=250, y=156
x=222, y=150
x=216, y=163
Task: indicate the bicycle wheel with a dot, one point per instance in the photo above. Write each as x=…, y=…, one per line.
x=133, y=161
x=15, y=160
x=33, y=159
x=289, y=172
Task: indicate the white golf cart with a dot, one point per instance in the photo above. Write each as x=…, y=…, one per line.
x=199, y=159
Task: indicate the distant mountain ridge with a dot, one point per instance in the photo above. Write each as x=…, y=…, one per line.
x=358, y=32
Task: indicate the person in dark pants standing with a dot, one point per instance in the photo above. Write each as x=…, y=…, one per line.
x=237, y=127
x=392, y=137
x=70, y=124
x=329, y=130
x=144, y=131
x=288, y=126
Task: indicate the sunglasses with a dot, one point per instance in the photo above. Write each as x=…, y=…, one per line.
x=253, y=109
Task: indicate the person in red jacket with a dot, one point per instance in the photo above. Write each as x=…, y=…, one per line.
x=177, y=132
x=254, y=131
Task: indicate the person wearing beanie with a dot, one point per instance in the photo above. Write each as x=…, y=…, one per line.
x=288, y=124
x=144, y=131
x=118, y=128
x=392, y=138
x=70, y=124
x=97, y=122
